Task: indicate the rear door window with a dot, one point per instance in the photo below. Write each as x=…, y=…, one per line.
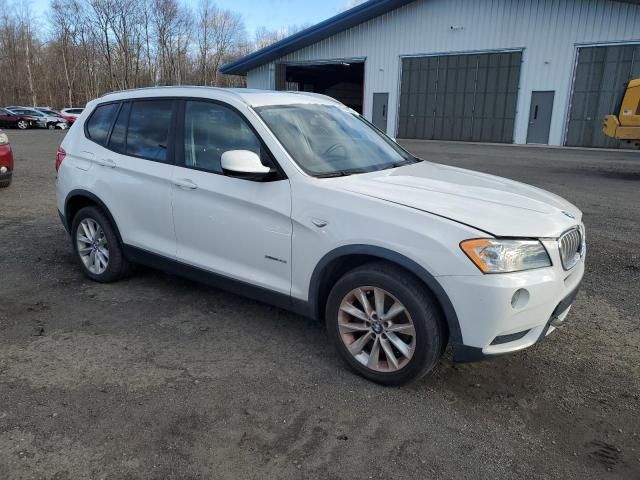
x=100, y=122
x=149, y=127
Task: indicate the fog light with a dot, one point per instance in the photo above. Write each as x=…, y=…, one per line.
x=3, y=170
x=520, y=298
x=512, y=337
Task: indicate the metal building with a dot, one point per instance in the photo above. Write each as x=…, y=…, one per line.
x=522, y=71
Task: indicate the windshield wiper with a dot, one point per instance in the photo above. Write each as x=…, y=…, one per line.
x=339, y=173
x=408, y=161
x=343, y=173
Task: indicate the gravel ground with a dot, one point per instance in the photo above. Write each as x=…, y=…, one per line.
x=158, y=377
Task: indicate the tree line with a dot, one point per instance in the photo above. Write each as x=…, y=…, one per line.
x=85, y=48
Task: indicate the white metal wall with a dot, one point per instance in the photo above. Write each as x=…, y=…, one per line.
x=547, y=30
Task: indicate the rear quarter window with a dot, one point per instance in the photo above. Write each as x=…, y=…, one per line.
x=99, y=123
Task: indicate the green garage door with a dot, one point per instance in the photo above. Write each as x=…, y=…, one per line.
x=460, y=97
x=600, y=78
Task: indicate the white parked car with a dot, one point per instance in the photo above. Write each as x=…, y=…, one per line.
x=295, y=200
x=72, y=112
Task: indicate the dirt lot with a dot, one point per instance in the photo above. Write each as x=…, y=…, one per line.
x=158, y=377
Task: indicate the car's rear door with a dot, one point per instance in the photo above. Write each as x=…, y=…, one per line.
x=132, y=168
x=235, y=227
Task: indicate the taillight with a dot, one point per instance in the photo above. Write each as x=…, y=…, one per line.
x=60, y=154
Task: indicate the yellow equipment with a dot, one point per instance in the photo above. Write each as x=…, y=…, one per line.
x=626, y=125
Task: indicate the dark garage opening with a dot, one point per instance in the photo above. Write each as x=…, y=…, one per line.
x=342, y=81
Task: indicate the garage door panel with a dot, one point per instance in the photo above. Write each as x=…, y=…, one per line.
x=430, y=106
x=501, y=104
x=421, y=105
x=514, y=78
x=489, y=110
x=423, y=82
x=468, y=97
x=467, y=128
x=512, y=103
x=468, y=100
x=485, y=135
x=599, y=81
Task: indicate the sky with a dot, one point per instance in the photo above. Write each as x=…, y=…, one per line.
x=273, y=14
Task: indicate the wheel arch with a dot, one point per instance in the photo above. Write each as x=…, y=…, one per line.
x=339, y=261
x=77, y=199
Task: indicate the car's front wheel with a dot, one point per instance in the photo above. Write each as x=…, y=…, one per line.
x=23, y=124
x=385, y=324
x=96, y=245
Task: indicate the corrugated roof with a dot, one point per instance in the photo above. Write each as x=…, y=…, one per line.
x=311, y=35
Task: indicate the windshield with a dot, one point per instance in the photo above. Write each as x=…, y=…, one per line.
x=325, y=140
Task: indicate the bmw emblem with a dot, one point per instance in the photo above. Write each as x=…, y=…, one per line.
x=568, y=214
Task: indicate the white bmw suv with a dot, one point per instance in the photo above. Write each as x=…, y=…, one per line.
x=295, y=200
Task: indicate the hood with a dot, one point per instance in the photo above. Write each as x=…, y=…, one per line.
x=501, y=207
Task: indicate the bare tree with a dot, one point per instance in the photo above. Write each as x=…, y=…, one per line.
x=205, y=12
x=64, y=14
x=25, y=25
x=264, y=37
x=227, y=32
x=94, y=46
x=171, y=22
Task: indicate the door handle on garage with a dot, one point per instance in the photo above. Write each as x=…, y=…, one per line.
x=185, y=183
x=106, y=162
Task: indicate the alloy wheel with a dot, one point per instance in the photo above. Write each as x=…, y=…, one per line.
x=92, y=246
x=22, y=125
x=376, y=329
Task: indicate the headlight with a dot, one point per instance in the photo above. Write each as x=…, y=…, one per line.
x=502, y=256
x=3, y=138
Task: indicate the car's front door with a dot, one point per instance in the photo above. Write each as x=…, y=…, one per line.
x=231, y=226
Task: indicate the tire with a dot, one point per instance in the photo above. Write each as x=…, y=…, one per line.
x=51, y=126
x=23, y=124
x=422, y=345
x=117, y=265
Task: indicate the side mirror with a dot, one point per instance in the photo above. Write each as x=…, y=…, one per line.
x=243, y=164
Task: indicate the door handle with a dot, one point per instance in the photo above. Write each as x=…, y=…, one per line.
x=106, y=162
x=184, y=183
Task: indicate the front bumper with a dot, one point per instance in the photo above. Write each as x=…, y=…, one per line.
x=6, y=162
x=6, y=175
x=491, y=323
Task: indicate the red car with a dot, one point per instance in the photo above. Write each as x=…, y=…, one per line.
x=14, y=120
x=6, y=160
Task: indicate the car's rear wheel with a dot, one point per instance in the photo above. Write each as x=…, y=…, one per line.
x=385, y=324
x=23, y=124
x=96, y=245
